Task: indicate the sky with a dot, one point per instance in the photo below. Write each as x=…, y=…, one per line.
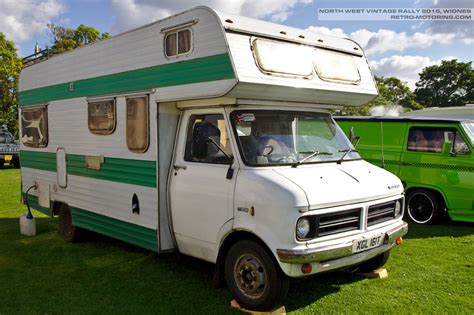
x=394, y=48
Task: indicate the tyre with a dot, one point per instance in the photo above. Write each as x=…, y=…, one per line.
x=16, y=164
x=69, y=232
x=254, y=277
x=423, y=206
x=373, y=263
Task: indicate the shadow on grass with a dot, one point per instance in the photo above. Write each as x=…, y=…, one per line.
x=450, y=228
x=102, y=274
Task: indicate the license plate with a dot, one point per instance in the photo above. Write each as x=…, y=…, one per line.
x=367, y=243
x=8, y=157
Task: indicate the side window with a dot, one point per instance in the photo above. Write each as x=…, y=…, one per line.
x=34, y=127
x=429, y=139
x=178, y=43
x=101, y=117
x=137, y=124
x=459, y=146
x=206, y=136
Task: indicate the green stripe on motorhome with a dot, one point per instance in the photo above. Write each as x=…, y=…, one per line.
x=45, y=161
x=124, y=231
x=133, y=172
x=212, y=68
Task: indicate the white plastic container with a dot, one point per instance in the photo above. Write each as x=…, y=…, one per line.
x=27, y=226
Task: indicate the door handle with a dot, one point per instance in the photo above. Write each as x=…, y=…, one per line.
x=177, y=167
x=407, y=164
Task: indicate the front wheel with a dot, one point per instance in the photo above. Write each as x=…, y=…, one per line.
x=423, y=206
x=254, y=277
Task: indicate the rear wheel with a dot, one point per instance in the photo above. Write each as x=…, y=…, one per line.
x=423, y=206
x=68, y=231
x=373, y=263
x=254, y=277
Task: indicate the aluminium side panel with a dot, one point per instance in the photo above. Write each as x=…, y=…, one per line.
x=100, y=199
x=135, y=61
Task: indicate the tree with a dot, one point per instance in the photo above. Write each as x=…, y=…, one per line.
x=392, y=92
x=65, y=39
x=448, y=84
x=10, y=67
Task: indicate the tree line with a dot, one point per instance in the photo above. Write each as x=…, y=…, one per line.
x=449, y=84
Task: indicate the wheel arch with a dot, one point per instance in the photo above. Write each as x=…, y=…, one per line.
x=439, y=193
x=230, y=239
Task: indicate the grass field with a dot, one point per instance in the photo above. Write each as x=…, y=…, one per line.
x=433, y=272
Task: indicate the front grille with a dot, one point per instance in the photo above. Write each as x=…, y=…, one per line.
x=334, y=223
x=381, y=213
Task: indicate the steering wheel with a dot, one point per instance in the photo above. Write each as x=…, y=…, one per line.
x=269, y=152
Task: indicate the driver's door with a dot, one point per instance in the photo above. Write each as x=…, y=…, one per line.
x=201, y=196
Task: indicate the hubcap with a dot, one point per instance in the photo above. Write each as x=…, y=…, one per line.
x=420, y=208
x=250, y=276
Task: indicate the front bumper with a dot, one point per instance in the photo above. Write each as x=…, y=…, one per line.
x=332, y=252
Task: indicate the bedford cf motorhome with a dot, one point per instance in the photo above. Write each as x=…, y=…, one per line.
x=210, y=134
x=431, y=155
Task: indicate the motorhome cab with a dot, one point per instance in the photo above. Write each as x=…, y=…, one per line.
x=210, y=134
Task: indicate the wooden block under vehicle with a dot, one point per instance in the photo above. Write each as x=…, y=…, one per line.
x=377, y=273
x=281, y=310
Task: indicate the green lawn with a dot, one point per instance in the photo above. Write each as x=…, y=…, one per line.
x=433, y=272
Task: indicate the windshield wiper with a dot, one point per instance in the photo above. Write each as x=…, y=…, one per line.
x=346, y=152
x=313, y=154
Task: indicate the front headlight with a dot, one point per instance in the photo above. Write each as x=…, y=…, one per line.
x=398, y=208
x=302, y=228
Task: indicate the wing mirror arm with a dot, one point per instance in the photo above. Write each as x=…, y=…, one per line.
x=230, y=170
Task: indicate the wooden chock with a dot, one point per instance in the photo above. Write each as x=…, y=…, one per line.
x=377, y=273
x=280, y=311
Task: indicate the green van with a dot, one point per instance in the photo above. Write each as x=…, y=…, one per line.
x=432, y=156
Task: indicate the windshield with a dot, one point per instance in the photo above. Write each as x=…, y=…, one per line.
x=469, y=127
x=269, y=137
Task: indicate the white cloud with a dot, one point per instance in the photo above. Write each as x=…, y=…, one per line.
x=387, y=40
x=21, y=19
x=132, y=13
x=406, y=68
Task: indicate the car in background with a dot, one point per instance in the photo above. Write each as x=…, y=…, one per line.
x=433, y=157
x=9, y=148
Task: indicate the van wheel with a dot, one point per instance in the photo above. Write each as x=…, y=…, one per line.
x=254, y=277
x=423, y=206
x=69, y=232
x=373, y=263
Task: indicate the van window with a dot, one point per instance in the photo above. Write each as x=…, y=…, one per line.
x=429, y=139
x=205, y=133
x=34, y=127
x=101, y=117
x=137, y=124
x=178, y=43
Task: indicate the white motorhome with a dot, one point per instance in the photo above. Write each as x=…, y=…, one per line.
x=209, y=134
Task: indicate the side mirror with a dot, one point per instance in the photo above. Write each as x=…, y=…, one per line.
x=351, y=135
x=447, y=148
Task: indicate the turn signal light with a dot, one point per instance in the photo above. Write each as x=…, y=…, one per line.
x=306, y=268
x=399, y=241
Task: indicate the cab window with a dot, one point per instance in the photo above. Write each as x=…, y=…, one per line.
x=34, y=127
x=207, y=140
